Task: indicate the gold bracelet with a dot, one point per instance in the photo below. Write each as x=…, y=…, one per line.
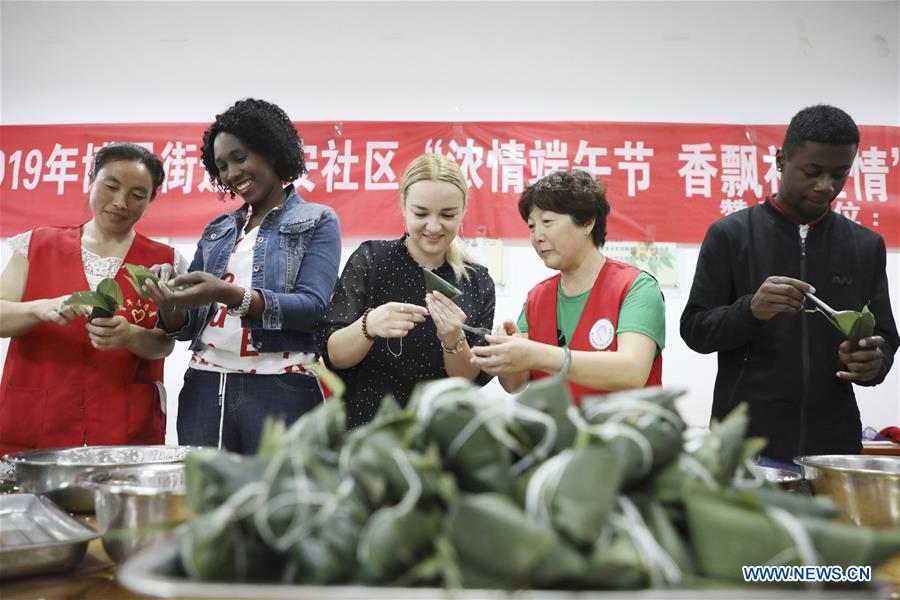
x=455, y=349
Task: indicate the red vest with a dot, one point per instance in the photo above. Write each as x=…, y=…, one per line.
x=596, y=330
x=57, y=390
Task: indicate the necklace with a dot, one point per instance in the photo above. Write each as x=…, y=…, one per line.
x=397, y=354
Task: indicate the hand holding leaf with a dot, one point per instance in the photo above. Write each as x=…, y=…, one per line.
x=106, y=300
x=863, y=359
x=139, y=275
x=54, y=310
x=110, y=333
x=434, y=282
x=854, y=325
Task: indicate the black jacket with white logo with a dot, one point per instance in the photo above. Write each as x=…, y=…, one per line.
x=784, y=368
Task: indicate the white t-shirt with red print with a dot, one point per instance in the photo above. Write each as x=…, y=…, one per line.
x=227, y=347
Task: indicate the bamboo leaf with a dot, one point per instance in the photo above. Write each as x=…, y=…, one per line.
x=138, y=275
x=95, y=299
x=434, y=283
x=110, y=288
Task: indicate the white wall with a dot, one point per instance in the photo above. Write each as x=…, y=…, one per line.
x=706, y=62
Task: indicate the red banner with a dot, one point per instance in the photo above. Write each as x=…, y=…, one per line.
x=666, y=182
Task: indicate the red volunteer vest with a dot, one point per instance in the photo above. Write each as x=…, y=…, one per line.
x=57, y=389
x=596, y=330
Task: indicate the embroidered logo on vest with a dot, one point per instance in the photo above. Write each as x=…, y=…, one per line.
x=602, y=334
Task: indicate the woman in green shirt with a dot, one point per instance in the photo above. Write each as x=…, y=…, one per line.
x=609, y=315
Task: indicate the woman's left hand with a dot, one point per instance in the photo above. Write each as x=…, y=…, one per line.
x=204, y=288
x=447, y=318
x=505, y=354
x=112, y=333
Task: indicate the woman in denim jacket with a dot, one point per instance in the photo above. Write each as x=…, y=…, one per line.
x=261, y=278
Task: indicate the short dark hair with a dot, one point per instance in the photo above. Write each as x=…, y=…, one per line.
x=128, y=151
x=265, y=129
x=575, y=193
x=821, y=123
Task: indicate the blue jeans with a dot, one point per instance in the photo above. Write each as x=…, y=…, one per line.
x=249, y=399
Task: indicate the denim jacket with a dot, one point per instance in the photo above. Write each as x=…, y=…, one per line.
x=295, y=267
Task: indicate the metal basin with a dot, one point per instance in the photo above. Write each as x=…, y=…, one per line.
x=53, y=472
x=784, y=479
x=136, y=506
x=866, y=488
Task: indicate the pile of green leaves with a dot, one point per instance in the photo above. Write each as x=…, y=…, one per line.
x=463, y=490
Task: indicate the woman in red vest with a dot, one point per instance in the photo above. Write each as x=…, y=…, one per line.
x=66, y=381
x=608, y=314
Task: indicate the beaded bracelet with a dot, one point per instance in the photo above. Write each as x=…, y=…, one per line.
x=365, y=330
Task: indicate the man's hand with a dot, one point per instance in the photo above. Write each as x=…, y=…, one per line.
x=864, y=361
x=779, y=295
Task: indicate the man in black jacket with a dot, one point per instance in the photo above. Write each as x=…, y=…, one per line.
x=793, y=368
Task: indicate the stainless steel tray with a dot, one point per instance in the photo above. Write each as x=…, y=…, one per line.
x=154, y=572
x=37, y=537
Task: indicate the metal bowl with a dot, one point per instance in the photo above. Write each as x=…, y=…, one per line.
x=136, y=506
x=53, y=471
x=866, y=488
x=784, y=479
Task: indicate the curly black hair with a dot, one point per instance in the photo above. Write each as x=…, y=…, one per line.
x=265, y=129
x=575, y=193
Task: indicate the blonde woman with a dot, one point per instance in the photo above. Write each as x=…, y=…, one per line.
x=382, y=333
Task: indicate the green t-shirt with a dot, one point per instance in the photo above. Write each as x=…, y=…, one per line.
x=643, y=311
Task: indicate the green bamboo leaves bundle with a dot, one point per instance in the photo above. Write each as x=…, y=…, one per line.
x=462, y=489
x=643, y=425
x=728, y=533
x=469, y=433
x=576, y=490
x=106, y=300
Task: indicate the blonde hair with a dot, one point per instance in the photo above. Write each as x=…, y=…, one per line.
x=438, y=167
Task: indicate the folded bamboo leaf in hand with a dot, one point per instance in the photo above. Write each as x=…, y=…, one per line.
x=855, y=325
x=435, y=283
x=138, y=275
x=106, y=300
